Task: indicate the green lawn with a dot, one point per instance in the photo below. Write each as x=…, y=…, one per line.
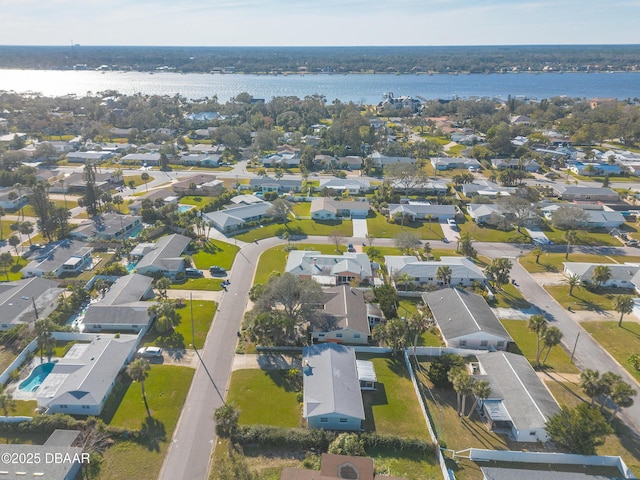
x=137, y=180
x=583, y=299
x=28, y=210
x=620, y=342
x=198, y=201
x=552, y=262
x=430, y=338
x=264, y=397
x=393, y=408
x=302, y=209
x=510, y=297
x=594, y=237
x=14, y=271
x=271, y=260
x=487, y=233
x=166, y=390
x=212, y=284
x=301, y=228
x=215, y=252
x=379, y=227
x=558, y=360
x=181, y=337
x=24, y=408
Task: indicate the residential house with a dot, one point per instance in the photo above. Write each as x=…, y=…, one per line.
x=350, y=162
x=422, y=211
x=428, y=187
x=331, y=390
x=81, y=381
x=344, y=317
x=465, y=320
x=338, y=467
x=201, y=160
x=516, y=164
x=354, y=186
x=380, y=160
x=75, y=182
x=281, y=185
x=202, y=116
x=165, y=258
x=592, y=194
x=487, y=189
x=312, y=140
x=520, y=120
x=65, y=257
x=281, y=160
x=24, y=301
x=146, y=159
x=622, y=275
x=597, y=215
x=245, y=199
x=107, y=227
x=236, y=217
x=328, y=209
x=400, y=103
x=11, y=199
x=154, y=196
x=451, y=163
x=519, y=404
x=330, y=269
x=122, y=308
x=92, y=156
x=201, y=184
x=463, y=271
x=57, y=459
x=206, y=148
x=483, y=212
x=595, y=168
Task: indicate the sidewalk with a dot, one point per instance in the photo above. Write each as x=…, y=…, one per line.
x=267, y=361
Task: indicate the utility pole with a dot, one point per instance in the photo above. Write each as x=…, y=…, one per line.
x=574, y=347
x=193, y=333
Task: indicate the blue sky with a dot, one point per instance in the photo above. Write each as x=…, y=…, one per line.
x=318, y=22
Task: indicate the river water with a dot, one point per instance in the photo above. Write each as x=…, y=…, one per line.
x=366, y=88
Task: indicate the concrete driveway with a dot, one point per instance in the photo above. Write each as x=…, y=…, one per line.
x=360, y=229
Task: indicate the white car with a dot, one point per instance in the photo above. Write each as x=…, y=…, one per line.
x=150, y=352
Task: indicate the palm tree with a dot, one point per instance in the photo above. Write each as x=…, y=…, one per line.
x=623, y=304
x=427, y=250
x=552, y=337
x=591, y=384
x=26, y=228
x=538, y=325
x=405, y=279
x=14, y=241
x=537, y=252
x=18, y=186
x=45, y=341
x=443, y=274
x=621, y=395
x=138, y=370
x=573, y=281
x=452, y=376
x=601, y=274
x=482, y=390
x=162, y=285
x=145, y=178
x=570, y=236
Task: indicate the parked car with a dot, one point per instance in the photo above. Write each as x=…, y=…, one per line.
x=150, y=352
x=193, y=273
x=216, y=270
x=350, y=248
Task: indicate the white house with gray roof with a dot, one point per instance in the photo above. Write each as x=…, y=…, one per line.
x=352, y=185
x=422, y=211
x=519, y=404
x=122, y=309
x=624, y=275
x=591, y=194
x=329, y=269
x=26, y=300
x=64, y=257
x=463, y=271
x=465, y=320
x=80, y=383
x=451, y=163
x=106, y=227
x=165, y=258
x=332, y=399
x=329, y=209
x=483, y=212
x=380, y=160
x=236, y=217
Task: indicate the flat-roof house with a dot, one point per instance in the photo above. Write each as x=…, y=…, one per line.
x=343, y=318
x=329, y=269
x=56, y=459
x=380, y=160
x=515, y=164
x=593, y=194
x=331, y=396
x=80, y=383
x=463, y=271
x=201, y=184
x=23, y=301
x=236, y=217
x=465, y=320
x=451, y=163
x=66, y=256
x=622, y=275
x=150, y=159
x=352, y=185
x=84, y=157
x=422, y=211
x=165, y=258
x=519, y=404
x=280, y=185
x=122, y=308
x=11, y=199
x=107, y=227
x=328, y=209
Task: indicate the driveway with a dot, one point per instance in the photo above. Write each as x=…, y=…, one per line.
x=451, y=234
x=360, y=229
x=266, y=361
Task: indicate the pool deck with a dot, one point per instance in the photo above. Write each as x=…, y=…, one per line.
x=27, y=368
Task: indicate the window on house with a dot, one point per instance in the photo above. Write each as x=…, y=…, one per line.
x=532, y=433
x=324, y=419
x=500, y=344
x=356, y=335
x=484, y=343
x=339, y=335
x=463, y=343
x=343, y=420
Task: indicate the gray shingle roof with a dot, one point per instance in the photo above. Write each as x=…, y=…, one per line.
x=459, y=313
x=344, y=307
x=331, y=382
x=461, y=267
x=167, y=253
x=619, y=272
x=545, y=473
x=307, y=262
x=17, y=299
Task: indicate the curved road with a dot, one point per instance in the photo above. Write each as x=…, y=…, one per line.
x=190, y=451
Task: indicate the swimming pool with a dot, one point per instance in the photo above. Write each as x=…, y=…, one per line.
x=131, y=266
x=184, y=208
x=36, y=377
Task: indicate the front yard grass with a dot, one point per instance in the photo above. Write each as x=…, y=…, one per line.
x=487, y=233
x=583, y=299
x=137, y=180
x=302, y=209
x=509, y=297
x=166, y=390
x=211, y=284
x=28, y=210
x=14, y=272
x=525, y=340
x=379, y=227
x=299, y=228
x=552, y=262
x=215, y=252
x=264, y=397
x=180, y=337
x=620, y=342
x=195, y=200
